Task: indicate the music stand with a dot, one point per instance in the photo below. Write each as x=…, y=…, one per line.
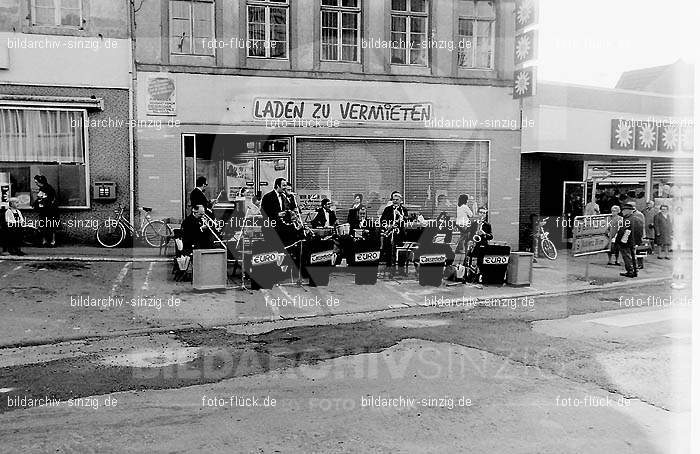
x=299, y=282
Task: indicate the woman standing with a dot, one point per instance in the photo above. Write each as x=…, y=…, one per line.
x=613, y=227
x=663, y=228
x=46, y=206
x=464, y=215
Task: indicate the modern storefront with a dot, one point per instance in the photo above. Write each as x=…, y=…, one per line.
x=599, y=145
x=331, y=138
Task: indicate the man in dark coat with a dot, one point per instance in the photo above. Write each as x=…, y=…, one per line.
x=325, y=217
x=392, y=220
x=197, y=196
x=272, y=207
x=663, y=228
x=195, y=232
x=629, y=236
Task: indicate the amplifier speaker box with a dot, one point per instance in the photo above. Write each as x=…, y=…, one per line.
x=365, y=267
x=520, y=269
x=209, y=269
x=495, y=272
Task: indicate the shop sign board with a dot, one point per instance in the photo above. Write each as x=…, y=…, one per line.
x=590, y=234
x=302, y=112
x=161, y=96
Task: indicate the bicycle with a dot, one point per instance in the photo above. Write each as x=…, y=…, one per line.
x=113, y=231
x=545, y=244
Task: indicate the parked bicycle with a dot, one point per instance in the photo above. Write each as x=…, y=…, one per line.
x=113, y=231
x=545, y=244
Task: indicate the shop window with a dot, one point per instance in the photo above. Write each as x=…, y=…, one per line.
x=409, y=30
x=438, y=172
x=268, y=28
x=340, y=30
x=191, y=27
x=57, y=13
x=47, y=142
x=475, y=33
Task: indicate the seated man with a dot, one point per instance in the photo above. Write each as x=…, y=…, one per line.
x=325, y=217
x=195, y=232
x=13, y=223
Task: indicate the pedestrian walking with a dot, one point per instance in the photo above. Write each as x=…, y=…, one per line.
x=663, y=228
x=629, y=236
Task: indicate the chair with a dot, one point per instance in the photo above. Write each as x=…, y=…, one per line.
x=167, y=239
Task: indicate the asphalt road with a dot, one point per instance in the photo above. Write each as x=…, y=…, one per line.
x=596, y=372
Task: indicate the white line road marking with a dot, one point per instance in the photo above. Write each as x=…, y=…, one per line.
x=120, y=277
x=678, y=336
x=274, y=308
x=144, y=287
x=401, y=294
x=638, y=318
x=17, y=268
x=6, y=390
x=397, y=306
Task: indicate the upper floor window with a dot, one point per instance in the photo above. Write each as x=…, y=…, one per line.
x=409, y=32
x=191, y=27
x=476, y=31
x=57, y=13
x=268, y=28
x=340, y=30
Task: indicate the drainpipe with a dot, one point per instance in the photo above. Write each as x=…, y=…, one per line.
x=132, y=108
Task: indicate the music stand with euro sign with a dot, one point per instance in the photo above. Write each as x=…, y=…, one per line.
x=494, y=264
x=432, y=257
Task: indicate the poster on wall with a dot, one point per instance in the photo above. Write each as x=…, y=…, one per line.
x=239, y=178
x=161, y=96
x=309, y=200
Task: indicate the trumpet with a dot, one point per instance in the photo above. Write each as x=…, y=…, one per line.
x=477, y=237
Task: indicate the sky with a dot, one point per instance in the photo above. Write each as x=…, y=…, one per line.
x=592, y=42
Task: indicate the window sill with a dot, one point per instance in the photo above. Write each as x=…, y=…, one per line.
x=340, y=66
x=190, y=59
x=410, y=70
x=59, y=30
x=477, y=73
x=267, y=63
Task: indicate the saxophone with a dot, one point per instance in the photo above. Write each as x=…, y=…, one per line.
x=394, y=226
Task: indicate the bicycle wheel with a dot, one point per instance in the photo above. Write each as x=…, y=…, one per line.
x=549, y=250
x=110, y=234
x=155, y=231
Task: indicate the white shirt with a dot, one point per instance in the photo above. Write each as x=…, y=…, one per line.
x=10, y=217
x=463, y=215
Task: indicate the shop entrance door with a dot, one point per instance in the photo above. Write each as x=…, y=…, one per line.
x=572, y=204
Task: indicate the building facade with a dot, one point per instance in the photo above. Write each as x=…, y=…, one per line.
x=586, y=144
x=338, y=96
x=64, y=106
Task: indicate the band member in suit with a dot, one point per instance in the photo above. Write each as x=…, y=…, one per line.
x=325, y=217
x=198, y=197
x=480, y=235
x=195, y=232
x=354, y=212
x=392, y=222
x=273, y=206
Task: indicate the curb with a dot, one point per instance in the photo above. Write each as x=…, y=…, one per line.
x=314, y=319
x=58, y=258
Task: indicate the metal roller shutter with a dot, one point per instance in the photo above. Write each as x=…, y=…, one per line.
x=632, y=170
x=676, y=171
x=435, y=168
x=370, y=167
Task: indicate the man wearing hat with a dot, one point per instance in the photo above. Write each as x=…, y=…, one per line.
x=629, y=236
